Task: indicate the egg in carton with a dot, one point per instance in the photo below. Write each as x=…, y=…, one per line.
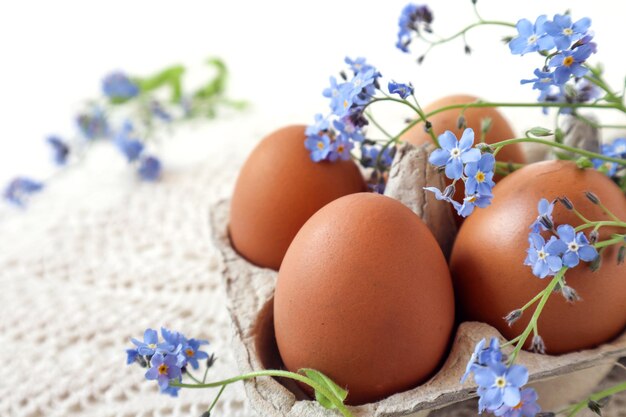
x=250, y=289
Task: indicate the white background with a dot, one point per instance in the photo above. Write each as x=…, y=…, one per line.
x=54, y=53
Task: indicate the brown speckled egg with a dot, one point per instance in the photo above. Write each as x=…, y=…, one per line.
x=278, y=189
x=364, y=295
x=447, y=120
x=487, y=259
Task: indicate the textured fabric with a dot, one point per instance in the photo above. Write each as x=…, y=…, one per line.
x=97, y=258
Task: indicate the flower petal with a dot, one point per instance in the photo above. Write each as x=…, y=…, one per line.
x=447, y=140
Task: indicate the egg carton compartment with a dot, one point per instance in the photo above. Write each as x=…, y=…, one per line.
x=250, y=291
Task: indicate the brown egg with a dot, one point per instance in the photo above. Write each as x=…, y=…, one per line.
x=487, y=259
x=447, y=120
x=364, y=295
x=278, y=189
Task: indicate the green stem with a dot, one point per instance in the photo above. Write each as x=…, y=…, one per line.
x=284, y=374
x=597, y=225
x=545, y=295
x=616, y=239
x=219, y=394
x=578, y=151
x=467, y=29
x=576, y=408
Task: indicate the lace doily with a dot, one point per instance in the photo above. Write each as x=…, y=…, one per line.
x=97, y=258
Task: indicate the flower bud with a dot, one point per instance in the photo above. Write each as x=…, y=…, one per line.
x=460, y=122
x=211, y=360
x=570, y=294
x=468, y=50
x=428, y=125
x=592, y=197
x=595, y=407
x=537, y=345
x=513, y=316
x=621, y=253
x=449, y=191
x=567, y=203
x=596, y=264
x=546, y=222
x=594, y=236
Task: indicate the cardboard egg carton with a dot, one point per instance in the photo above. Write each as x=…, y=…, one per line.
x=250, y=291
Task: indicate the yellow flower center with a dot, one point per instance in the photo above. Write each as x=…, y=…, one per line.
x=455, y=153
x=568, y=32
x=518, y=406
x=480, y=176
x=189, y=352
x=568, y=61
x=152, y=346
x=340, y=148
x=500, y=382
x=345, y=104
x=541, y=254
x=320, y=145
x=532, y=39
x=163, y=369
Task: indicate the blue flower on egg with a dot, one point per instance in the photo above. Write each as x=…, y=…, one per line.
x=340, y=149
x=471, y=201
x=544, y=258
x=480, y=175
x=348, y=130
x=531, y=38
x=545, y=209
x=454, y=153
x=320, y=147
x=575, y=247
x=564, y=32
x=321, y=125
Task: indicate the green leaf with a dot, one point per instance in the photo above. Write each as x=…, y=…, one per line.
x=563, y=156
x=584, y=162
x=559, y=135
x=540, y=131
x=337, y=392
x=170, y=76
x=218, y=84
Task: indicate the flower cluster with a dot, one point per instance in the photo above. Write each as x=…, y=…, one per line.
x=333, y=137
x=460, y=160
x=128, y=115
x=566, y=46
x=413, y=20
x=565, y=248
x=616, y=149
x=167, y=359
x=500, y=387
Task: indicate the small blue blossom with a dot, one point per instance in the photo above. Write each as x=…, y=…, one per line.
x=338, y=94
x=131, y=356
x=19, y=189
x=321, y=125
x=568, y=63
x=483, y=356
x=446, y=195
x=319, y=146
x=93, y=124
x=576, y=246
x=543, y=82
x=544, y=257
x=564, y=32
x=150, y=344
x=118, y=86
x=340, y=149
x=545, y=208
x=149, y=168
x=403, y=90
x=192, y=354
x=172, y=391
x=163, y=369
x=480, y=175
x=372, y=157
x=348, y=130
x=358, y=65
x=554, y=94
x=127, y=142
x=358, y=91
x=500, y=385
x=527, y=406
x=60, y=149
x=531, y=38
x=413, y=17
x=619, y=148
x=454, y=153
x=472, y=201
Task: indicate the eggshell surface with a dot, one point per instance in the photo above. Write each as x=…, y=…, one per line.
x=364, y=295
x=278, y=189
x=487, y=259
